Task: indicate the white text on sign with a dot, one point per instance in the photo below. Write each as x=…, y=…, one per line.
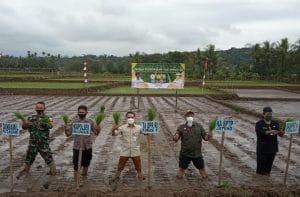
x=292, y=127
x=11, y=128
x=81, y=129
x=150, y=127
x=225, y=125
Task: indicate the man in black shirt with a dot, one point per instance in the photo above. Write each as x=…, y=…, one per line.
x=267, y=144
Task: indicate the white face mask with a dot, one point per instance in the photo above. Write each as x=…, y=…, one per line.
x=130, y=121
x=190, y=121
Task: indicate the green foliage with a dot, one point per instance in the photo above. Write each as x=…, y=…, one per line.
x=212, y=124
x=65, y=118
x=116, y=117
x=237, y=109
x=45, y=120
x=99, y=118
x=151, y=114
x=267, y=60
x=18, y=115
x=102, y=108
x=226, y=185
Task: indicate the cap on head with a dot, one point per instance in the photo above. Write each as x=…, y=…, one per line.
x=188, y=112
x=178, y=74
x=267, y=109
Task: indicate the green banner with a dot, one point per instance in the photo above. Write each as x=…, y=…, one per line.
x=158, y=75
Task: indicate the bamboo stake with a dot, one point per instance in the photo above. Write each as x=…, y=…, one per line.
x=138, y=97
x=79, y=163
x=10, y=165
x=149, y=160
x=221, y=158
x=288, y=159
x=176, y=100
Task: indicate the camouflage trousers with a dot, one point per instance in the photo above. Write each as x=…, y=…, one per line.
x=43, y=149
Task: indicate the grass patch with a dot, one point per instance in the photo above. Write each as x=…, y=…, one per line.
x=186, y=90
x=247, y=83
x=47, y=85
x=65, y=76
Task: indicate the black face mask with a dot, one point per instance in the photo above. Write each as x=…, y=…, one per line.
x=39, y=112
x=82, y=116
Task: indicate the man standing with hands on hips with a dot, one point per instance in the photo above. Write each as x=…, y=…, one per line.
x=191, y=134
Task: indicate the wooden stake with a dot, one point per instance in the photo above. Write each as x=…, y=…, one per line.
x=138, y=97
x=149, y=160
x=288, y=159
x=10, y=165
x=79, y=163
x=176, y=101
x=221, y=158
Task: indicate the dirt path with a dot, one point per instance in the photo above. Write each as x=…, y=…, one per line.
x=239, y=154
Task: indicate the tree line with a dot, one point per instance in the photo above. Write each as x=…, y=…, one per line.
x=279, y=61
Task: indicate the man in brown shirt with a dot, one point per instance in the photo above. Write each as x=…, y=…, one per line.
x=191, y=134
x=87, y=141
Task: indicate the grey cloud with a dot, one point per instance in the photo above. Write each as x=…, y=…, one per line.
x=121, y=27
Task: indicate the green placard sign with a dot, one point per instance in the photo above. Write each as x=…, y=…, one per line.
x=158, y=75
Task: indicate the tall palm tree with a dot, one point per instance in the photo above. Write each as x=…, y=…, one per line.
x=213, y=59
x=256, y=54
x=283, y=48
x=266, y=53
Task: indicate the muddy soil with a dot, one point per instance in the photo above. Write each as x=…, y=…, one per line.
x=239, y=162
x=281, y=109
x=264, y=93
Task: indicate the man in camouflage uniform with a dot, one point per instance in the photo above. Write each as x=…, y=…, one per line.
x=39, y=126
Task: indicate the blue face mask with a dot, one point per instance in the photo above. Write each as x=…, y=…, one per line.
x=268, y=117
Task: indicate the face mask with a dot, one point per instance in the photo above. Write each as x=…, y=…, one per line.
x=189, y=121
x=130, y=121
x=39, y=112
x=268, y=117
x=82, y=116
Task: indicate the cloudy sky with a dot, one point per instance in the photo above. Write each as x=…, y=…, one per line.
x=120, y=27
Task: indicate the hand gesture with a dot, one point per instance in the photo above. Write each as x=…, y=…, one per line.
x=97, y=130
x=176, y=137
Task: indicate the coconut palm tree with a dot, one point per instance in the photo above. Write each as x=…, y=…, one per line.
x=283, y=49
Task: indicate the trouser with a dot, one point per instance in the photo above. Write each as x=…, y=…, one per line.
x=136, y=161
x=85, y=160
x=34, y=149
x=264, y=163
